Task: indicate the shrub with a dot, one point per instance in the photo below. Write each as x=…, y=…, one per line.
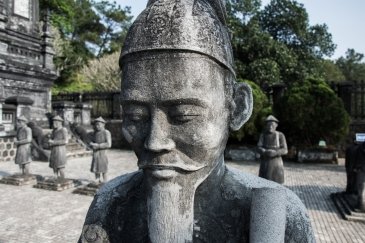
x=311, y=111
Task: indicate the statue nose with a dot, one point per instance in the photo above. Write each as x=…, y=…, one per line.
x=158, y=140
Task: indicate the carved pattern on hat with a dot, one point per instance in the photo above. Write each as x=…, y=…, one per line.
x=181, y=25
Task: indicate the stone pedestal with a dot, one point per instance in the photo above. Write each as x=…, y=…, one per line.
x=346, y=203
x=55, y=184
x=84, y=116
x=66, y=110
x=19, y=180
x=90, y=189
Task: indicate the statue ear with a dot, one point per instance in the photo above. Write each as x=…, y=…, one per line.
x=242, y=104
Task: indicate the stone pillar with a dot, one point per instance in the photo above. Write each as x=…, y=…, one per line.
x=66, y=110
x=23, y=105
x=2, y=128
x=47, y=46
x=85, y=111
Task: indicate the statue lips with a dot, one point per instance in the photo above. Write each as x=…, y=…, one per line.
x=168, y=161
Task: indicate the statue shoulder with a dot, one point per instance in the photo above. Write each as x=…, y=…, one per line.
x=115, y=189
x=239, y=185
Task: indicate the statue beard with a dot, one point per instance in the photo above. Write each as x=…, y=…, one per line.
x=170, y=206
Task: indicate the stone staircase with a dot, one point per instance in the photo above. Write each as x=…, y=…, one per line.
x=76, y=149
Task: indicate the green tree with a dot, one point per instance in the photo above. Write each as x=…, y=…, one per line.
x=276, y=44
x=352, y=66
x=311, y=111
x=261, y=109
x=331, y=72
x=88, y=29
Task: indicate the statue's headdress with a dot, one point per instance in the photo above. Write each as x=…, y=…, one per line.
x=22, y=118
x=57, y=118
x=182, y=25
x=100, y=119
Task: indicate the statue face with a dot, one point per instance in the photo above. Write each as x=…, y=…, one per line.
x=175, y=113
x=271, y=126
x=99, y=126
x=20, y=123
x=57, y=124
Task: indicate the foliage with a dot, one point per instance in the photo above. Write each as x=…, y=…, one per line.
x=310, y=111
x=352, y=66
x=331, y=72
x=276, y=44
x=87, y=29
x=103, y=73
x=261, y=109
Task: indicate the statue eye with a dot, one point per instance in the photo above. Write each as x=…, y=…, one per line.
x=136, y=113
x=183, y=113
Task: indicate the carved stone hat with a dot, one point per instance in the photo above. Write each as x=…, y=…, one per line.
x=22, y=118
x=100, y=119
x=271, y=118
x=57, y=118
x=182, y=25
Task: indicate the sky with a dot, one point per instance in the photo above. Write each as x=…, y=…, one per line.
x=345, y=20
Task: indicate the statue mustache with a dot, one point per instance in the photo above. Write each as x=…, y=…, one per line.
x=171, y=160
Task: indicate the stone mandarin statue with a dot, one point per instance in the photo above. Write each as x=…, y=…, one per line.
x=355, y=171
x=23, y=141
x=58, y=141
x=271, y=146
x=180, y=100
x=101, y=141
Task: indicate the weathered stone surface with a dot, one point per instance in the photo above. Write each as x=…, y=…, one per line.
x=180, y=100
x=26, y=66
x=20, y=180
x=55, y=184
x=318, y=156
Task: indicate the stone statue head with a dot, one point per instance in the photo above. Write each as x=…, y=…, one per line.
x=21, y=121
x=180, y=98
x=57, y=122
x=271, y=124
x=99, y=124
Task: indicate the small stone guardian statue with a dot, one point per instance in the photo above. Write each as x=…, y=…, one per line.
x=101, y=141
x=23, y=141
x=57, y=143
x=271, y=146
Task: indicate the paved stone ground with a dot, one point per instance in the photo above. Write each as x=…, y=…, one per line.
x=39, y=216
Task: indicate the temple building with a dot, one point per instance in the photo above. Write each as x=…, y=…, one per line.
x=27, y=71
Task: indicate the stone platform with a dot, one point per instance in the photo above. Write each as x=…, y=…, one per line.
x=19, y=180
x=55, y=184
x=346, y=206
x=90, y=189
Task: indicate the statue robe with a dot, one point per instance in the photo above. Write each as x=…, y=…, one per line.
x=99, y=163
x=23, y=152
x=272, y=168
x=58, y=156
x=222, y=208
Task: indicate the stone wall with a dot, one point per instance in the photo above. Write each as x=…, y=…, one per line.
x=7, y=149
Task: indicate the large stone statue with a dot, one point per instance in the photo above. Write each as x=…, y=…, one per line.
x=180, y=100
x=271, y=146
x=58, y=141
x=101, y=141
x=355, y=171
x=23, y=141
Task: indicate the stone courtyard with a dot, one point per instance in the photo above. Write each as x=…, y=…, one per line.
x=39, y=216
